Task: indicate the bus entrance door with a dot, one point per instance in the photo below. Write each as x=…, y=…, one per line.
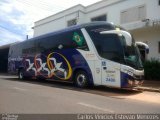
x=110, y=74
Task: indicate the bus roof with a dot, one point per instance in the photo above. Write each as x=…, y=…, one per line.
x=71, y=28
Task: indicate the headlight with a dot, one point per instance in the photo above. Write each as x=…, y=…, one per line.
x=134, y=82
x=130, y=82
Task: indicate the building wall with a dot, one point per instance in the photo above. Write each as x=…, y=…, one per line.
x=142, y=30
x=151, y=36
x=58, y=21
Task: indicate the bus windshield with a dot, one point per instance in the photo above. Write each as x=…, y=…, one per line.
x=131, y=54
x=113, y=47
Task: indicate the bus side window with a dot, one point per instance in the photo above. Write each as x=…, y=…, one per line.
x=79, y=41
x=72, y=39
x=29, y=48
x=65, y=40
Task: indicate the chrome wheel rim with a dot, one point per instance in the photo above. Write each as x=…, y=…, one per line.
x=81, y=79
x=21, y=75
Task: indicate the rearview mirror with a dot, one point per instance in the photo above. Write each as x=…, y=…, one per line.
x=127, y=35
x=144, y=45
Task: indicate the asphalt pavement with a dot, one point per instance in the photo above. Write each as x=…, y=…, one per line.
x=150, y=85
x=48, y=97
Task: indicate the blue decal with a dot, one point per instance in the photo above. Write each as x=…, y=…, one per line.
x=58, y=64
x=124, y=80
x=103, y=63
x=110, y=79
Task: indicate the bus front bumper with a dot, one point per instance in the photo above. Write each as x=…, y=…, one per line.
x=134, y=83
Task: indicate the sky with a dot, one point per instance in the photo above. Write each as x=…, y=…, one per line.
x=17, y=17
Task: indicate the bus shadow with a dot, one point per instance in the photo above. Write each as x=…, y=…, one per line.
x=98, y=90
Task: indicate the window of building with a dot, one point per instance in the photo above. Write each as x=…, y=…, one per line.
x=133, y=14
x=99, y=18
x=72, y=22
x=159, y=2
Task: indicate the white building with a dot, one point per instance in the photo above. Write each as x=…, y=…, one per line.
x=140, y=17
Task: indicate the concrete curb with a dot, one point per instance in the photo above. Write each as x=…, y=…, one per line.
x=150, y=89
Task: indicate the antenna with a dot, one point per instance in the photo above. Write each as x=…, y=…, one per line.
x=26, y=37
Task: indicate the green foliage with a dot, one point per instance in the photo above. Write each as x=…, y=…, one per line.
x=152, y=69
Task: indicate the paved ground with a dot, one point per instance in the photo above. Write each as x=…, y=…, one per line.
x=31, y=96
x=150, y=85
x=155, y=84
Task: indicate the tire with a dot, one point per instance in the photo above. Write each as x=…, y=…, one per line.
x=21, y=74
x=81, y=79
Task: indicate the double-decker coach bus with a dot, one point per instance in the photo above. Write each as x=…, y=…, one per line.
x=97, y=53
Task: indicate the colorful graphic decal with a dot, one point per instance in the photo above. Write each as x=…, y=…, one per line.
x=78, y=39
x=57, y=66
x=53, y=65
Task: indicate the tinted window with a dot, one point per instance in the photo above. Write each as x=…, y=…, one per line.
x=108, y=45
x=15, y=50
x=65, y=40
x=28, y=47
x=78, y=40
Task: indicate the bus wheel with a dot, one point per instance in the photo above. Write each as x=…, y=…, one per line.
x=21, y=74
x=81, y=79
